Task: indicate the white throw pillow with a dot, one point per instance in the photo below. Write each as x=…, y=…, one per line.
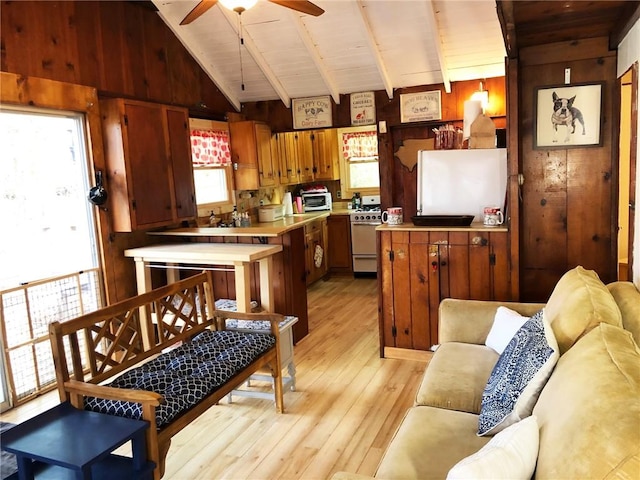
x=518, y=377
x=505, y=325
x=510, y=455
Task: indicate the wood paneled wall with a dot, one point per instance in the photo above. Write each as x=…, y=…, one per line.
x=120, y=48
x=568, y=197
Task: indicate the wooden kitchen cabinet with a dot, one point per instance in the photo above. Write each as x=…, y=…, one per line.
x=339, y=244
x=286, y=147
x=251, y=155
x=148, y=160
x=420, y=268
x=304, y=151
x=326, y=159
x=315, y=235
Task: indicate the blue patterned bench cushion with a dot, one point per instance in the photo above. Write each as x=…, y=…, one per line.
x=234, y=324
x=186, y=374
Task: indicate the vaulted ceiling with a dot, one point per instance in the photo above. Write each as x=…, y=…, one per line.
x=354, y=46
x=365, y=45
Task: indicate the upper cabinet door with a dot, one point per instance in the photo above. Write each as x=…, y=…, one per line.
x=267, y=164
x=148, y=165
x=304, y=148
x=251, y=155
x=181, y=162
x=326, y=160
x=148, y=159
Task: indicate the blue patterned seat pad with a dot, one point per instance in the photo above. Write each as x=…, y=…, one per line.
x=186, y=374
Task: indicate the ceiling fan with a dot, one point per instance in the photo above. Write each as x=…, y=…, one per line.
x=240, y=6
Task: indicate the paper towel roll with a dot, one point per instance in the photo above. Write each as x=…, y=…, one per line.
x=472, y=108
x=288, y=204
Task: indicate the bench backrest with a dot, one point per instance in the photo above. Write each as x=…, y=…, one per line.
x=100, y=345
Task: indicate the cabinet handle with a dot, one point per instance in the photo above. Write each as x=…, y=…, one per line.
x=434, y=265
x=443, y=263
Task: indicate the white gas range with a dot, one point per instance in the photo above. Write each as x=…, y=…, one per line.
x=363, y=236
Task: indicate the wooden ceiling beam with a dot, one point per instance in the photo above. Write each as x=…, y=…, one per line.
x=253, y=50
x=371, y=40
x=437, y=42
x=508, y=26
x=627, y=19
x=310, y=45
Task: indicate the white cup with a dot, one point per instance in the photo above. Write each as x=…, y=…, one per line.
x=493, y=216
x=392, y=216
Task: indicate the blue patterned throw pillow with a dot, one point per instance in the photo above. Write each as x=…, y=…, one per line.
x=518, y=377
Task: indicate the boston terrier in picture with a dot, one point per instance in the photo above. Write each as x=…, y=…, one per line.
x=564, y=113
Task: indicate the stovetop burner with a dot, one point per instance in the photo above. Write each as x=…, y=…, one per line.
x=368, y=208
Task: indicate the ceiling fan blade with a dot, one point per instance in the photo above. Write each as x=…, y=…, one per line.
x=198, y=10
x=300, y=6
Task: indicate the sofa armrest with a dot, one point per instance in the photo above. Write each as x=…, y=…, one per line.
x=469, y=321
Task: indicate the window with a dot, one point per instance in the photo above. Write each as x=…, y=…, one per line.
x=211, y=154
x=359, y=165
x=50, y=267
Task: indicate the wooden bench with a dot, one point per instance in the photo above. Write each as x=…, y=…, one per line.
x=97, y=348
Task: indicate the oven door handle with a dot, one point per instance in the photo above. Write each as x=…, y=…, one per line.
x=366, y=223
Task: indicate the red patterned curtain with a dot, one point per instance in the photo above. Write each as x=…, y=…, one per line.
x=210, y=148
x=360, y=145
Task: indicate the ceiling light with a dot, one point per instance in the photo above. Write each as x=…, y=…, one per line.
x=238, y=5
x=481, y=96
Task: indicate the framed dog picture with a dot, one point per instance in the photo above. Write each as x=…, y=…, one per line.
x=567, y=116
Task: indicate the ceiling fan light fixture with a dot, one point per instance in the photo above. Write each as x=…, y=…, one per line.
x=238, y=5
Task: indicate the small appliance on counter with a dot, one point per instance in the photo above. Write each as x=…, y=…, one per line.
x=270, y=213
x=288, y=204
x=316, y=198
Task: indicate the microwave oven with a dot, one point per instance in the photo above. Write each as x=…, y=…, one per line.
x=318, y=201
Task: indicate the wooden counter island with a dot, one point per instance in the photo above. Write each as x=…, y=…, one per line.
x=419, y=266
x=288, y=268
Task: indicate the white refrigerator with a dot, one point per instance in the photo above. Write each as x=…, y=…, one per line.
x=461, y=182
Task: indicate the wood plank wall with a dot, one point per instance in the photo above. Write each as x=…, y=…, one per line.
x=120, y=48
x=569, y=208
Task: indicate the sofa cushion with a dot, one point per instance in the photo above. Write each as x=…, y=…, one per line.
x=517, y=378
x=505, y=325
x=509, y=455
x=428, y=443
x=456, y=377
x=578, y=303
x=627, y=297
x=589, y=411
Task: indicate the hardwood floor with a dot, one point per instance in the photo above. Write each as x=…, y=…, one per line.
x=347, y=404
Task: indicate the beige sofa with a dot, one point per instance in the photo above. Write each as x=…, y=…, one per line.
x=588, y=413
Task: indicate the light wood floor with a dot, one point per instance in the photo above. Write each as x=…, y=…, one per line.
x=347, y=404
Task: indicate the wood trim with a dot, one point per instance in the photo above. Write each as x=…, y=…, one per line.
x=633, y=165
x=407, y=354
x=513, y=167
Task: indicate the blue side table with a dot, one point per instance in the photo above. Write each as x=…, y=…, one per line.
x=67, y=443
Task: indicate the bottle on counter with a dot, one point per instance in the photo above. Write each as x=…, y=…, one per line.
x=355, y=201
x=235, y=217
x=213, y=221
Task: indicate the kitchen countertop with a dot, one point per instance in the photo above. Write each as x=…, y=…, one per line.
x=265, y=229
x=474, y=227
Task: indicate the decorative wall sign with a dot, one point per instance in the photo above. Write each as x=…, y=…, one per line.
x=420, y=107
x=363, y=109
x=567, y=116
x=312, y=112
